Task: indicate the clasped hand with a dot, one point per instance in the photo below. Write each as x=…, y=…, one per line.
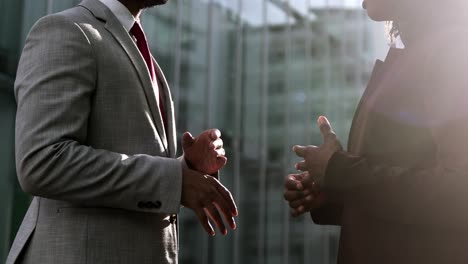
x=204, y=194
x=204, y=153
x=303, y=190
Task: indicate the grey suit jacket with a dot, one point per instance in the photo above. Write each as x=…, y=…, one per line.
x=91, y=146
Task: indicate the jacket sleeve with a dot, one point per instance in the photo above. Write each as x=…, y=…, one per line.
x=327, y=215
x=54, y=88
x=435, y=195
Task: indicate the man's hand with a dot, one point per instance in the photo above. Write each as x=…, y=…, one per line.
x=316, y=158
x=204, y=153
x=207, y=197
x=302, y=193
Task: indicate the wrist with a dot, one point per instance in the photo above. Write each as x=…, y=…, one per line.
x=188, y=163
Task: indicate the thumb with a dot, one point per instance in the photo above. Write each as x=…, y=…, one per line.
x=187, y=140
x=325, y=127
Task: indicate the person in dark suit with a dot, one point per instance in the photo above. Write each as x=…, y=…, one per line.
x=400, y=190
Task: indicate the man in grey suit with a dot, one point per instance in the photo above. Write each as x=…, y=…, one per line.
x=96, y=145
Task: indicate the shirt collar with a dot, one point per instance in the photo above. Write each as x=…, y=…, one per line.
x=121, y=12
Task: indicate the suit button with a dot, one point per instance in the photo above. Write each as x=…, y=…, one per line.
x=158, y=204
x=149, y=205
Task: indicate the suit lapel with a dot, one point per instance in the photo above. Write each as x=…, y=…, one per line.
x=360, y=117
x=114, y=26
x=169, y=108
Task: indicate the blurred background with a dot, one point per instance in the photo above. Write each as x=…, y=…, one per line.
x=262, y=71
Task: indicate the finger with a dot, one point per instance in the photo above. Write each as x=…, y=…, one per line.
x=303, y=151
x=310, y=186
x=304, y=201
x=227, y=197
x=204, y=221
x=295, y=204
x=298, y=211
x=187, y=140
x=302, y=166
x=227, y=216
x=292, y=195
x=213, y=213
x=220, y=152
x=293, y=183
x=325, y=128
x=304, y=208
x=215, y=134
x=308, y=206
x=223, y=206
x=296, y=179
x=309, y=183
x=300, y=176
x=300, y=150
x=218, y=143
x=221, y=161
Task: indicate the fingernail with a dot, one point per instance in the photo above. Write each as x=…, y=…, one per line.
x=323, y=120
x=320, y=120
x=216, y=134
x=212, y=233
x=233, y=226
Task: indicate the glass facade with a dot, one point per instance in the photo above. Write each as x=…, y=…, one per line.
x=261, y=71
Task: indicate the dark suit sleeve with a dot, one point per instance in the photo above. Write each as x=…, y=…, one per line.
x=436, y=194
x=327, y=215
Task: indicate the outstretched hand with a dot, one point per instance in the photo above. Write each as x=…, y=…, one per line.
x=205, y=153
x=209, y=199
x=303, y=190
x=316, y=157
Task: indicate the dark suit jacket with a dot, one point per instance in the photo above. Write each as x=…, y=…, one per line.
x=400, y=193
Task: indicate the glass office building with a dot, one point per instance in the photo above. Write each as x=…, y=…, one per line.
x=261, y=71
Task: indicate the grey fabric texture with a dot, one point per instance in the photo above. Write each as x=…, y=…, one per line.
x=91, y=146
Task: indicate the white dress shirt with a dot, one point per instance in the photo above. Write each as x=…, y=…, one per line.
x=121, y=12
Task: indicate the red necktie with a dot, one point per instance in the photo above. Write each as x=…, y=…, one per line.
x=142, y=45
